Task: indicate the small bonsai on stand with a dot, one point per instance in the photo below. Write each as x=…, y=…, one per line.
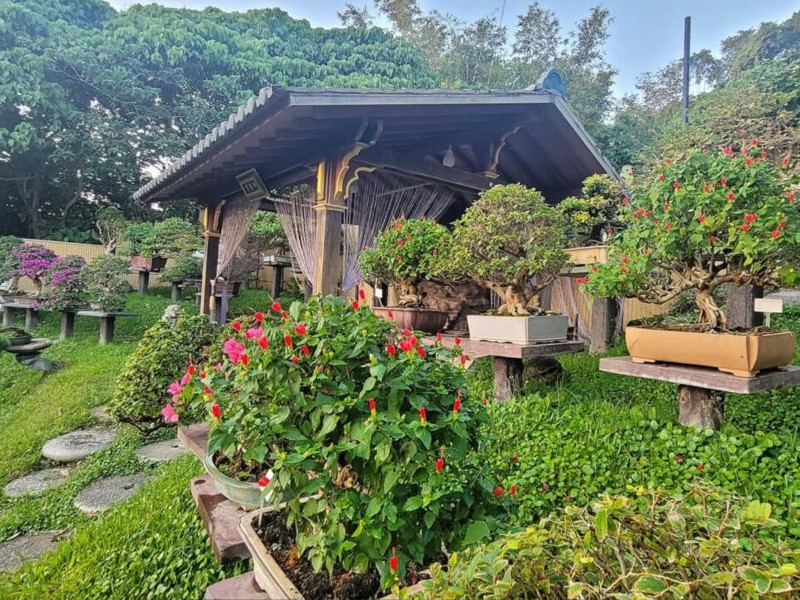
x=104, y=283
x=32, y=261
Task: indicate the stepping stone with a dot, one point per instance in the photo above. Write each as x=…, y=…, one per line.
x=101, y=494
x=26, y=547
x=166, y=450
x=221, y=518
x=78, y=444
x=36, y=483
x=101, y=414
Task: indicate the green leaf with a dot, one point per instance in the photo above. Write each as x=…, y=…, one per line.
x=601, y=524
x=477, y=531
x=412, y=503
x=574, y=590
x=328, y=425
x=390, y=479
x=649, y=584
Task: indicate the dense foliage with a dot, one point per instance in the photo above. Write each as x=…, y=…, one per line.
x=61, y=284
x=701, y=222
x=159, y=358
x=361, y=417
x=405, y=254
x=646, y=544
x=171, y=238
x=509, y=241
x=104, y=283
x=590, y=216
x=8, y=260
x=185, y=268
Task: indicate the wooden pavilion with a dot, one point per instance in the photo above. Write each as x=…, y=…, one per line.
x=463, y=140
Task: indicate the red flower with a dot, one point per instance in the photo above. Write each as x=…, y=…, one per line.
x=355, y=304
x=748, y=161
x=390, y=314
x=406, y=332
x=393, y=561
x=421, y=351
x=371, y=403
x=700, y=467
x=245, y=359
x=405, y=346
x=594, y=269
x=515, y=458
x=754, y=142
x=723, y=181
x=625, y=202
x=300, y=329
x=287, y=339
x=276, y=306
x=423, y=414
x=216, y=411
x=295, y=360
x=790, y=196
x=456, y=405
x=263, y=482
x=399, y=243
x=705, y=189
x=457, y=341
x=731, y=197
x=745, y=227
x=259, y=316
x=679, y=459
x=782, y=224
x=749, y=218
x=713, y=239
x=439, y=337
x=676, y=184
x=463, y=359
x=236, y=326
x=667, y=226
x=498, y=492
x=413, y=339
x=785, y=161
x=439, y=464
x=582, y=280
x=362, y=294
x=661, y=177
x=513, y=490
x=206, y=390
x=763, y=154
x=263, y=342
x=190, y=369
x=775, y=234
x=623, y=270
x=624, y=260
x=284, y=315
x=305, y=350
x=391, y=350
x=728, y=152
x=701, y=217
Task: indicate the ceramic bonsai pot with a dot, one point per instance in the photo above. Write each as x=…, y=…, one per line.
x=415, y=319
x=743, y=355
x=143, y=263
x=245, y=494
x=20, y=339
x=587, y=255
x=268, y=573
x=518, y=330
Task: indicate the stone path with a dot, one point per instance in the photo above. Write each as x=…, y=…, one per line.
x=78, y=444
x=36, y=483
x=26, y=547
x=160, y=451
x=103, y=493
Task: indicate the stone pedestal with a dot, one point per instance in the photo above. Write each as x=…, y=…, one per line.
x=507, y=377
x=144, y=281
x=703, y=409
x=67, y=324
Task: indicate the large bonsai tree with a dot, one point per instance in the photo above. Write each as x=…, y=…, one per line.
x=511, y=242
x=700, y=222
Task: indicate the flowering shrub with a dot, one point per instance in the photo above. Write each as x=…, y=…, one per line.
x=361, y=417
x=104, y=283
x=703, y=221
x=32, y=261
x=508, y=237
x=404, y=255
x=62, y=287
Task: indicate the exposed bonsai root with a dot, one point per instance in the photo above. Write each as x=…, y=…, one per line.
x=710, y=313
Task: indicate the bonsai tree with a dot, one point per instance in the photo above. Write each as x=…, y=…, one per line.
x=62, y=289
x=405, y=254
x=135, y=235
x=708, y=219
x=185, y=268
x=589, y=217
x=109, y=228
x=170, y=238
x=9, y=261
x=32, y=261
x=104, y=282
x=510, y=241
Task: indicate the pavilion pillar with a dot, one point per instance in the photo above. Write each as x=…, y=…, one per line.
x=327, y=244
x=212, y=225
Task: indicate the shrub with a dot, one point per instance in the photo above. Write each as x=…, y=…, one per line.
x=649, y=544
x=703, y=221
x=135, y=235
x=589, y=216
x=62, y=289
x=170, y=238
x=345, y=408
x=159, y=358
x=185, y=268
x=508, y=237
x=8, y=260
x=404, y=255
x=104, y=282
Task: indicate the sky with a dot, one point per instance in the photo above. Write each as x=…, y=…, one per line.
x=645, y=35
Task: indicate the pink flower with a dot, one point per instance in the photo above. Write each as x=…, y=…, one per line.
x=185, y=379
x=233, y=350
x=169, y=414
x=174, y=389
x=254, y=333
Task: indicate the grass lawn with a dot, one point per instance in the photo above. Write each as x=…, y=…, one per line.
x=595, y=433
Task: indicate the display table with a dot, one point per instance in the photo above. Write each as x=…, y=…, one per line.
x=31, y=314
x=107, y=321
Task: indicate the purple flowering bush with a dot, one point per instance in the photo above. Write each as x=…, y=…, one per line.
x=62, y=287
x=32, y=261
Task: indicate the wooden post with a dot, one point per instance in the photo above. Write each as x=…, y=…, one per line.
x=144, y=281
x=700, y=408
x=277, y=281
x=507, y=377
x=67, y=324
x=604, y=317
x=546, y=298
x=175, y=292
x=328, y=241
x=212, y=221
x=741, y=306
x=107, y=329
x=31, y=319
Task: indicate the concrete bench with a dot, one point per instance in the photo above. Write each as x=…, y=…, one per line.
x=31, y=314
x=107, y=321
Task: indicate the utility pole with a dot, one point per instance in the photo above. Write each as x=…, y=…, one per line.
x=687, y=57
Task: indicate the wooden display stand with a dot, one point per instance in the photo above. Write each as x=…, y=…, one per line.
x=701, y=392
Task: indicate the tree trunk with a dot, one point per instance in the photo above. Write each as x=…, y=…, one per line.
x=710, y=313
x=409, y=295
x=515, y=301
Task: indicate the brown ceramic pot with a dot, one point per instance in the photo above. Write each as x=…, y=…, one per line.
x=415, y=319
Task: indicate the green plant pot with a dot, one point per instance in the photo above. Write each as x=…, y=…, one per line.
x=245, y=494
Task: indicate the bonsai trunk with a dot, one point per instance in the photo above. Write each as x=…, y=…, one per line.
x=409, y=295
x=710, y=313
x=13, y=286
x=515, y=301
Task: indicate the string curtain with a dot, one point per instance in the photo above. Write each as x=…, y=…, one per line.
x=299, y=220
x=239, y=213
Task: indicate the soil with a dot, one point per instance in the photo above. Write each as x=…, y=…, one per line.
x=700, y=328
x=239, y=470
x=279, y=542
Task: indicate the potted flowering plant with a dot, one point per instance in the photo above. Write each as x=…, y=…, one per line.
x=706, y=220
x=404, y=255
x=510, y=241
x=362, y=429
x=32, y=261
x=62, y=290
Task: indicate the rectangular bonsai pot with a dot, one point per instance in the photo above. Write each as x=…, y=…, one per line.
x=587, y=255
x=143, y=263
x=518, y=330
x=742, y=355
x=268, y=573
x=415, y=319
